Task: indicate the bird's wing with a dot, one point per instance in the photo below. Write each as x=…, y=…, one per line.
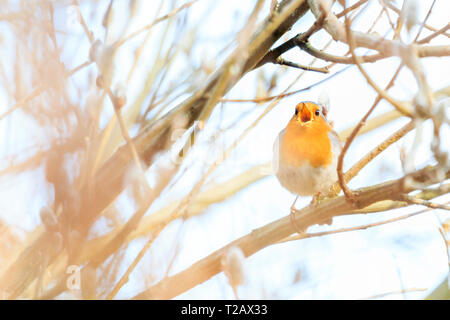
x=276, y=150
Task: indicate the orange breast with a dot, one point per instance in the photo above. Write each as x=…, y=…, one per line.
x=306, y=144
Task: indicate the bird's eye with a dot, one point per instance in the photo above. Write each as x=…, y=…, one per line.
x=296, y=111
x=317, y=113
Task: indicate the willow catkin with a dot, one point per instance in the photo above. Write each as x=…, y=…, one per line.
x=233, y=265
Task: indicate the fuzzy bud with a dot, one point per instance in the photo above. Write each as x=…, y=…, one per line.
x=324, y=101
x=109, y=16
x=410, y=12
x=49, y=219
x=120, y=95
x=233, y=265
x=99, y=82
x=104, y=58
x=274, y=8
x=94, y=51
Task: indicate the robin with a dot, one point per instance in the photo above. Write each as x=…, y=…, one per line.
x=306, y=153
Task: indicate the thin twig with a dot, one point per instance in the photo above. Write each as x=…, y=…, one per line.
x=426, y=203
x=357, y=167
x=283, y=95
x=348, y=193
x=308, y=48
x=356, y=228
x=117, y=109
x=39, y=90
x=155, y=22
x=403, y=291
x=284, y=62
x=434, y=35
x=400, y=106
x=422, y=25
x=351, y=8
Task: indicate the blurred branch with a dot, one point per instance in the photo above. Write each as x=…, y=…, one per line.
x=155, y=137
x=381, y=295
x=155, y=22
x=114, y=99
x=398, y=11
x=36, y=92
x=215, y=194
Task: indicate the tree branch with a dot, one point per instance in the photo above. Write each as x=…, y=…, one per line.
x=273, y=232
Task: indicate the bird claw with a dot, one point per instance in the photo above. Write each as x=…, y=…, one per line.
x=315, y=200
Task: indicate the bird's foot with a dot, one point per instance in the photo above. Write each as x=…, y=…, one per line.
x=316, y=199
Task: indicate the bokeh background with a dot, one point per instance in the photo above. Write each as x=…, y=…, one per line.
x=157, y=69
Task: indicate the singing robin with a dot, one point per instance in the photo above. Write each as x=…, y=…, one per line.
x=306, y=152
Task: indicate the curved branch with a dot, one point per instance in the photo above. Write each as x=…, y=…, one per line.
x=353, y=135
x=308, y=48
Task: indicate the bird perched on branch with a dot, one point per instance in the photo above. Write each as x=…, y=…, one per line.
x=306, y=152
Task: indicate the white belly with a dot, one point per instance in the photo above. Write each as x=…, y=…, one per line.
x=306, y=180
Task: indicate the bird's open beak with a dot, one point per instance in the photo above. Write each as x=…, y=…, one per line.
x=304, y=115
